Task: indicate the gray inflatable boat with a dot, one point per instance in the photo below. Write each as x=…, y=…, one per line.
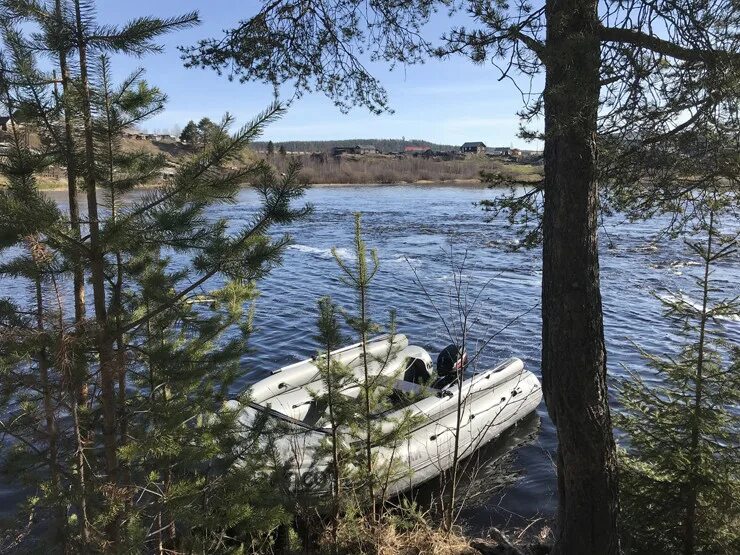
x=491, y=401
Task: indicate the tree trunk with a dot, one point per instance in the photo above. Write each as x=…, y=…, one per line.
x=51, y=422
x=74, y=209
x=573, y=352
x=78, y=380
x=689, y=546
x=104, y=338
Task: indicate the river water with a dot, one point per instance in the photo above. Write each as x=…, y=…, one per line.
x=424, y=233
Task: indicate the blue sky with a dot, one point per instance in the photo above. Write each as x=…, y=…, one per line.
x=450, y=101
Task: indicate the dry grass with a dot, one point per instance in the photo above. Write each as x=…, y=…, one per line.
x=347, y=169
x=389, y=169
x=391, y=537
x=45, y=182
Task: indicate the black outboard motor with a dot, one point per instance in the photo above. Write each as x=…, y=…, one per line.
x=417, y=373
x=449, y=364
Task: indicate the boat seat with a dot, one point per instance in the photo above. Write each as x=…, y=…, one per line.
x=315, y=411
x=407, y=387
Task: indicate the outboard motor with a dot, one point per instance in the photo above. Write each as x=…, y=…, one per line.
x=417, y=373
x=449, y=364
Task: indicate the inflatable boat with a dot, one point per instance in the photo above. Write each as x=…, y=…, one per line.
x=488, y=402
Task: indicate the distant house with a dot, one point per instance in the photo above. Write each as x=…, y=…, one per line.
x=339, y=150
x=415, y=148
x=132, y=134
x=504, y=151
x=357, y=149
x=167, y=173
x=366, y=149
x=473, y=148
x=163, y=138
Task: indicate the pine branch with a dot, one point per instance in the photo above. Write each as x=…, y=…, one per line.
x=665, y=47
x=135, y=37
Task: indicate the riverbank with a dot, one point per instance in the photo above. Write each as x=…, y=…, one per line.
x=406, y=531
x=387, y=169
x=51, y=185
x=324, y=170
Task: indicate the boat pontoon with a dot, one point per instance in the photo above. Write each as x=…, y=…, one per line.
x=490, y=402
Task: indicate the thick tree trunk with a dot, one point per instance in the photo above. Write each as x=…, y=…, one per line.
x=573, y=353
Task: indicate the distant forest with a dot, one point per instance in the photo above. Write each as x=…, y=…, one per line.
x=383, y=145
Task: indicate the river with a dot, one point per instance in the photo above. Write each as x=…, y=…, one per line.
x=420, y=232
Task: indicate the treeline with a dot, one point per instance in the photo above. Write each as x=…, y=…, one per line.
x=383, y=145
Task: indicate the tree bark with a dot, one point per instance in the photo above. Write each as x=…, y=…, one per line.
x=78, y=380
x=74, y=209
x=104, y=339
x=573, y=352
x=689, y=546
x=51, y=422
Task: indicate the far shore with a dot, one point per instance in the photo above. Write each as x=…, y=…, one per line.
x=52, y=186
x=380, y=170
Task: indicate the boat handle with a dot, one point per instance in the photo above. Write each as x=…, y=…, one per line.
x=435, y=436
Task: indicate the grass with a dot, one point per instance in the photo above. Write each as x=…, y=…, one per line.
x=409, y=532
x=347, y=169
x=390, y=169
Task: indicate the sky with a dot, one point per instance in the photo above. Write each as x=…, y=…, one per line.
x=444, y=101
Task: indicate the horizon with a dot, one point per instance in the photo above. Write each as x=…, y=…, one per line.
x=448, y=101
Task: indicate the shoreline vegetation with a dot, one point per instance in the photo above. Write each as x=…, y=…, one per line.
x=52, y=185
x=321, y=169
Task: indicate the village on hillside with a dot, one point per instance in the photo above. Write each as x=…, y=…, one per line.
x=323, y=162
x=424, y=151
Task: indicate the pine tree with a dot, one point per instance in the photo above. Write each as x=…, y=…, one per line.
x=206, y=131
x=374, y=473
x=189, y=134
x=134, y=38
x=29, y=404
x=681, y=483
x=340, y=409
x=193, y=480
x=116, y=109
x=183, y=363
x=143, y=303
